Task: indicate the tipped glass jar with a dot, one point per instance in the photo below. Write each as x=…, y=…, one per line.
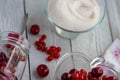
x=13, y=55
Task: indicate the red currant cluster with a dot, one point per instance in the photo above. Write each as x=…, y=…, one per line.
x=95, y=74
x=53, y=51
x=41, y=44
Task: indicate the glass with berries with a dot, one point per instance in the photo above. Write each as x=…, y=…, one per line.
x=13, y=55
x=77, y=66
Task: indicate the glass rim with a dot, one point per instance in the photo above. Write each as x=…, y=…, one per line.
x=68, y=54
x=52, y=22
x=17, y=41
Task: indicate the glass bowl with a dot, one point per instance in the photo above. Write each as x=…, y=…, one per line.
x=66, y=33
x=78, y=61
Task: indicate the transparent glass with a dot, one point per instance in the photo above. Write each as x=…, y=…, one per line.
x=78, y=60
x=72, y=34
x=13, y=55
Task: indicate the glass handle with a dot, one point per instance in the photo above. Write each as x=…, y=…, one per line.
x=96, y=61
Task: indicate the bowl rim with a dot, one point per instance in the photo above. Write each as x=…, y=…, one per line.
x=55, y=25
x=68, y=54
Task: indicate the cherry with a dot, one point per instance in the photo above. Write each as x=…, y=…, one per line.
x=97, y=72
x=50, y=58
x=42, y=70
x=65, y=76
x=72, y=71
x=34, y=29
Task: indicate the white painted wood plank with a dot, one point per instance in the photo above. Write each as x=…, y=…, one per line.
x=36, y=16
x=11, y=15
x=114, y=17
x=26, y=73
x=95, y=42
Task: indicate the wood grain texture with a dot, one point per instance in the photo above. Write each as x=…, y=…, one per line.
x=36, y=16
x=11, y=15
x=112, y=7
x=93, y=43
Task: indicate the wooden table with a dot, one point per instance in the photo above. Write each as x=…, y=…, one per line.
x=93, y=43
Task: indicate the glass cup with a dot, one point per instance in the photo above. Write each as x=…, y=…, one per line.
x=13, y=55
x=78, y=60
x=66, y=33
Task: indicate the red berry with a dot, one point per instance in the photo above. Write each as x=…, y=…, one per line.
x=58, y=49
x=104, y=77
x=43, y=44
x=45, y=49
x=49, y=58
x=42, y=70
x=82, y=77
x=56, y=56
x=65, y=76
x=8, y=46
x=39, y=48
x=14, y=35
x=52, y=48
x=37, y=43
x=4, y=63
x=89, y=76
x=111, y=78
x=83, y=72
x=34, y=29
x=97, y=72
x=43, y=37
x=75, y=76
x=72, y=71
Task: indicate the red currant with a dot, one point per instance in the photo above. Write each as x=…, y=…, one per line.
x=58, y=49
x=49, y=58
x=111, y=78
x=42, y=70
x=75, y=76
x=97, y=72
x=72, y=71
x=8, y=46
x=83, y=72
x=65, y=76
x=34, y=29
x=43, y=37
x=56, y=56
x=104, y=77
x=14, y=35
x=37, y=43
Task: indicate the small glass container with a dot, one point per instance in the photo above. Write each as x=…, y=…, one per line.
x=66, y=33
x=78, y=61
x=13, y=55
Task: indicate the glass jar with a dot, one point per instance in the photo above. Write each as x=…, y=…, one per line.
x=13, y=55
x=79, y=61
